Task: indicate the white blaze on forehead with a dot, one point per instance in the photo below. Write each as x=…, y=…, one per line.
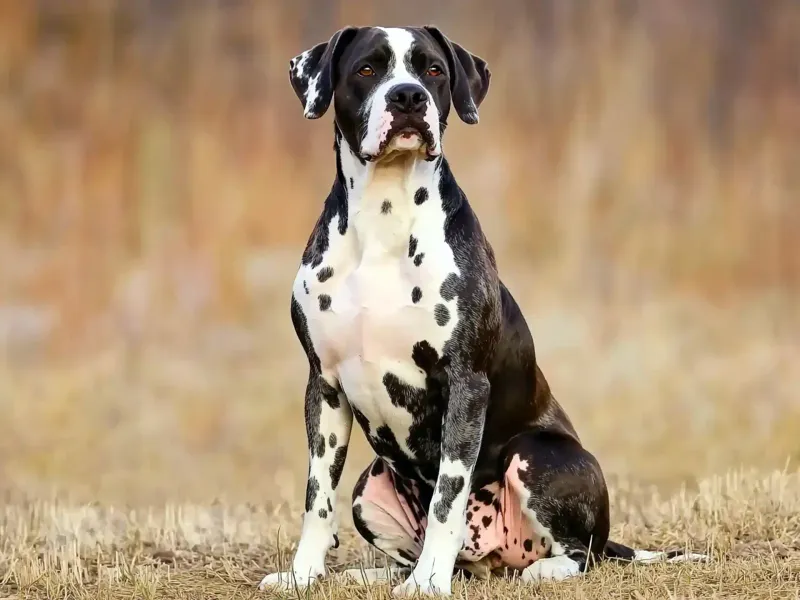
x=379, y=120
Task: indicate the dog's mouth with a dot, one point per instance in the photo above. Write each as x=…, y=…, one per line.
x=404, y=137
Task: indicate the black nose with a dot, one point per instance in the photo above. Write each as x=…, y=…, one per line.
x=407, y=98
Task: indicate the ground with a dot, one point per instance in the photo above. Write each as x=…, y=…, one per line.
x=749, y=523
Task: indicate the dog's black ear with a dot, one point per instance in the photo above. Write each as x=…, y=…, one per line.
x=313, y=73
x=469, y=77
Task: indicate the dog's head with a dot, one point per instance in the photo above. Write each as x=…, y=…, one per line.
x=392, y=88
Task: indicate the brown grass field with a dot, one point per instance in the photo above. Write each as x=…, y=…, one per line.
x=637, y=169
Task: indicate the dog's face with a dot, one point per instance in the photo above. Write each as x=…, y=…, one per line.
x=392, y=88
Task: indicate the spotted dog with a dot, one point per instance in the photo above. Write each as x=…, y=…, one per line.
x=408, y=328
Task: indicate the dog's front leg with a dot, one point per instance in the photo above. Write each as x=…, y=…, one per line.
x=462, y=430
x=329, y=421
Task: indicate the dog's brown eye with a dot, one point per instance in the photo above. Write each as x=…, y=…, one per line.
x=366, y=71
x=434, y=71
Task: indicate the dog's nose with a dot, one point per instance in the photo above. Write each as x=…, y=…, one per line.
x=408, y=98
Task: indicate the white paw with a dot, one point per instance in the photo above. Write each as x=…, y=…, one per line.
x=556, y=568
x=423, y=585
x=288, y=580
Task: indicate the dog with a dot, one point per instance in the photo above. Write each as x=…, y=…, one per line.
x=408, y=328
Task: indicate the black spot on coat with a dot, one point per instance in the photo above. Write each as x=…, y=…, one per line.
x=449, y=487
x=412, y=246
x=386, y=207
x=324, y=274
x=312, y=487
x=324, y=301
x=418, y=259
x=420, y=196
x=416, y=294
x=442, y=315
x=337, y=466
x=449, y=287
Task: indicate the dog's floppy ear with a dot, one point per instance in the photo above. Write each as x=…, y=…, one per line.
x=469, y=77
x=312, y=73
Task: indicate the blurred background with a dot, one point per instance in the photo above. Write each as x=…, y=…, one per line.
x=636, y=167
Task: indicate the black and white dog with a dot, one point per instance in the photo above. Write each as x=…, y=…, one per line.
x=408, y=328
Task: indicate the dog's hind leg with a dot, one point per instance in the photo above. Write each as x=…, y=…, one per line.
x=389, y=514
x=563, y=501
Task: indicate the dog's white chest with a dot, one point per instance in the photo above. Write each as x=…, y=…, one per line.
x=377, y=292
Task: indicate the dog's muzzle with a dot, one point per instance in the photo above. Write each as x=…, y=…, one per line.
x=406, y=123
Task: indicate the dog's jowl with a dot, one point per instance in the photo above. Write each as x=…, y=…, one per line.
x=408, y=329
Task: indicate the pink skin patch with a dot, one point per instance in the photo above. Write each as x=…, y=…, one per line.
x=495, y=523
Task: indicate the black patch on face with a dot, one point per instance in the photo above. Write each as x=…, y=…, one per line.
x=418, y=259
x=324, y=274
x=449, y=287
x=449, y=487
x=386, y=207
x=332, y=440
x=416, y=295
x=305, y=286
x=441, y=314
x=487, y=520
x=324, y=302
x=528, y=545
x=476, y=508
x=544, y=542
x=420, y=196
x=337, y=466
x=312, y=487
x=484, y=496
x=323, y=514
x=412, y=246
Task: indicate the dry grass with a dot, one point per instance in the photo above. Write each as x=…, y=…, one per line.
x=636, y=168
x=749, y=523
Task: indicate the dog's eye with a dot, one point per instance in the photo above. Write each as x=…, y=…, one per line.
x=434, y=71
x=366, y=71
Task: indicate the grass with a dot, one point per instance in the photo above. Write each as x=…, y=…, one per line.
x=748, y=522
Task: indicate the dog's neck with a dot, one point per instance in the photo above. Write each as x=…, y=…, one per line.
x=395, y=179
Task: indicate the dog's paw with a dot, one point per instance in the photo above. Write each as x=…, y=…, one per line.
x=556, y=568
x=289, y=580
x=424, y=585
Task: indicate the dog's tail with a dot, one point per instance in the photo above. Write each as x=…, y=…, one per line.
x=620, y=552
